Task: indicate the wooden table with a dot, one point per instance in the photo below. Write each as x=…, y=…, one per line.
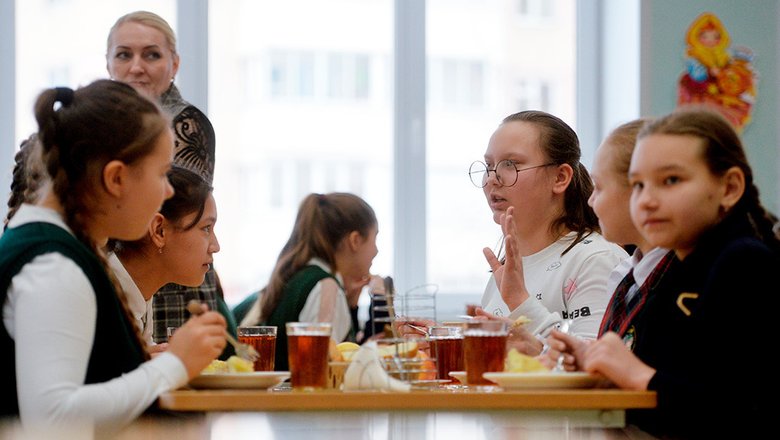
x=363, y=413
x=262, y=400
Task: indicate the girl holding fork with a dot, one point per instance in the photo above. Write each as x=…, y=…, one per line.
x=78, y=359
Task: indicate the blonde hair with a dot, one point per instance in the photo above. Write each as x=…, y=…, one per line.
x=621, y=142
x=145, y=18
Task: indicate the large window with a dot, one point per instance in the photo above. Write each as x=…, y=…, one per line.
x=301, y=95
x=486, y=60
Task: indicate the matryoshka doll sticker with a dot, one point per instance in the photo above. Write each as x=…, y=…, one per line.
x=716, y=75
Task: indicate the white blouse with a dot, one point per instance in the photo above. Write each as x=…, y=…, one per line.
x=140, y=308
x=341, y=321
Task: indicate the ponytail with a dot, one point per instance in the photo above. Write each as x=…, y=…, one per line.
x=103, y=121
x=323, y=221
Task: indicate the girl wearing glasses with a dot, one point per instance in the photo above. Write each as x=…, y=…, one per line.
x=532, y=167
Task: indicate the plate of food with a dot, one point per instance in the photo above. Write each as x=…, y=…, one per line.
x=245, y=380
x=237, y=373
x=542, y=379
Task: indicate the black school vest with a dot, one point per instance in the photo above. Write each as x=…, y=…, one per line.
x=294, y=297
x=115, y=349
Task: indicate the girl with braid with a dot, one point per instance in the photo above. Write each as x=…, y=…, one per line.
x=77, y=357
x=693, y=193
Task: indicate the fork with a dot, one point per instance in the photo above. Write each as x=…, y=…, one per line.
x=244, y=351
x=559, y=363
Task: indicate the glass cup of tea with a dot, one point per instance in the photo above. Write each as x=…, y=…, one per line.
x=446, y=344
x=307, y=353
x=263, y=339
x=484, y=345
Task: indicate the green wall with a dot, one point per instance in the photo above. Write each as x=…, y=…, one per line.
x=751, y=23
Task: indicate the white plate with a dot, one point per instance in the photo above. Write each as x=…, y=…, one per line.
x=460, y=375
x=253, y=380
x=542, y=380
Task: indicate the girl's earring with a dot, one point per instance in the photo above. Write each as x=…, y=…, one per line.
x=159, y=250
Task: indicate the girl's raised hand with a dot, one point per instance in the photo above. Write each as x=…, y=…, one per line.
x=199, y=341
x=610, y=357
x=509, y=276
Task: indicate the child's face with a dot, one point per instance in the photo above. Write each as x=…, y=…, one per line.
x=531, y=194
x=610, y=199
x=189, y=253
x=675, y=197
x=365, y=253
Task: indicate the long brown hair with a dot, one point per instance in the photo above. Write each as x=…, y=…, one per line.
x=103, y=121
x=560, y=145
x=722, y=150
x=323, y=221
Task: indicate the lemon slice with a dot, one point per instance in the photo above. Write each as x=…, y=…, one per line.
x=240, y=365
x=347, y=346
x=406, y=349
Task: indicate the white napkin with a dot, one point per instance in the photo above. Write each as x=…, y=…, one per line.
x=365, y=372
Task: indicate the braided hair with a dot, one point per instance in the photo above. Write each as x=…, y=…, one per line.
x=28, y=175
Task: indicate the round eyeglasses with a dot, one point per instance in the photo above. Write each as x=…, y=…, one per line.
x=506, y=172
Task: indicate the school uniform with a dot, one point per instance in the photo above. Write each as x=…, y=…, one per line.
x=63, y=325
x=706, y=330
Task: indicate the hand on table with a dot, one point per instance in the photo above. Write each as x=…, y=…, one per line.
x=572, y=347
x=610, y=357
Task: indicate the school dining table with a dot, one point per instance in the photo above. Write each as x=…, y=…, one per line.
x=420, y=414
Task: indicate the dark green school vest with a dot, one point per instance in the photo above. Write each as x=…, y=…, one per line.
x=115, y=349
x=294, y=297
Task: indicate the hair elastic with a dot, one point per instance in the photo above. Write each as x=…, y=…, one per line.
x=64, y=96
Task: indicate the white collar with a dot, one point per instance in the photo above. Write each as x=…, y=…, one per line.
x=31, y=213
x=645, y=264
x=135, y=300
x=319, y=262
